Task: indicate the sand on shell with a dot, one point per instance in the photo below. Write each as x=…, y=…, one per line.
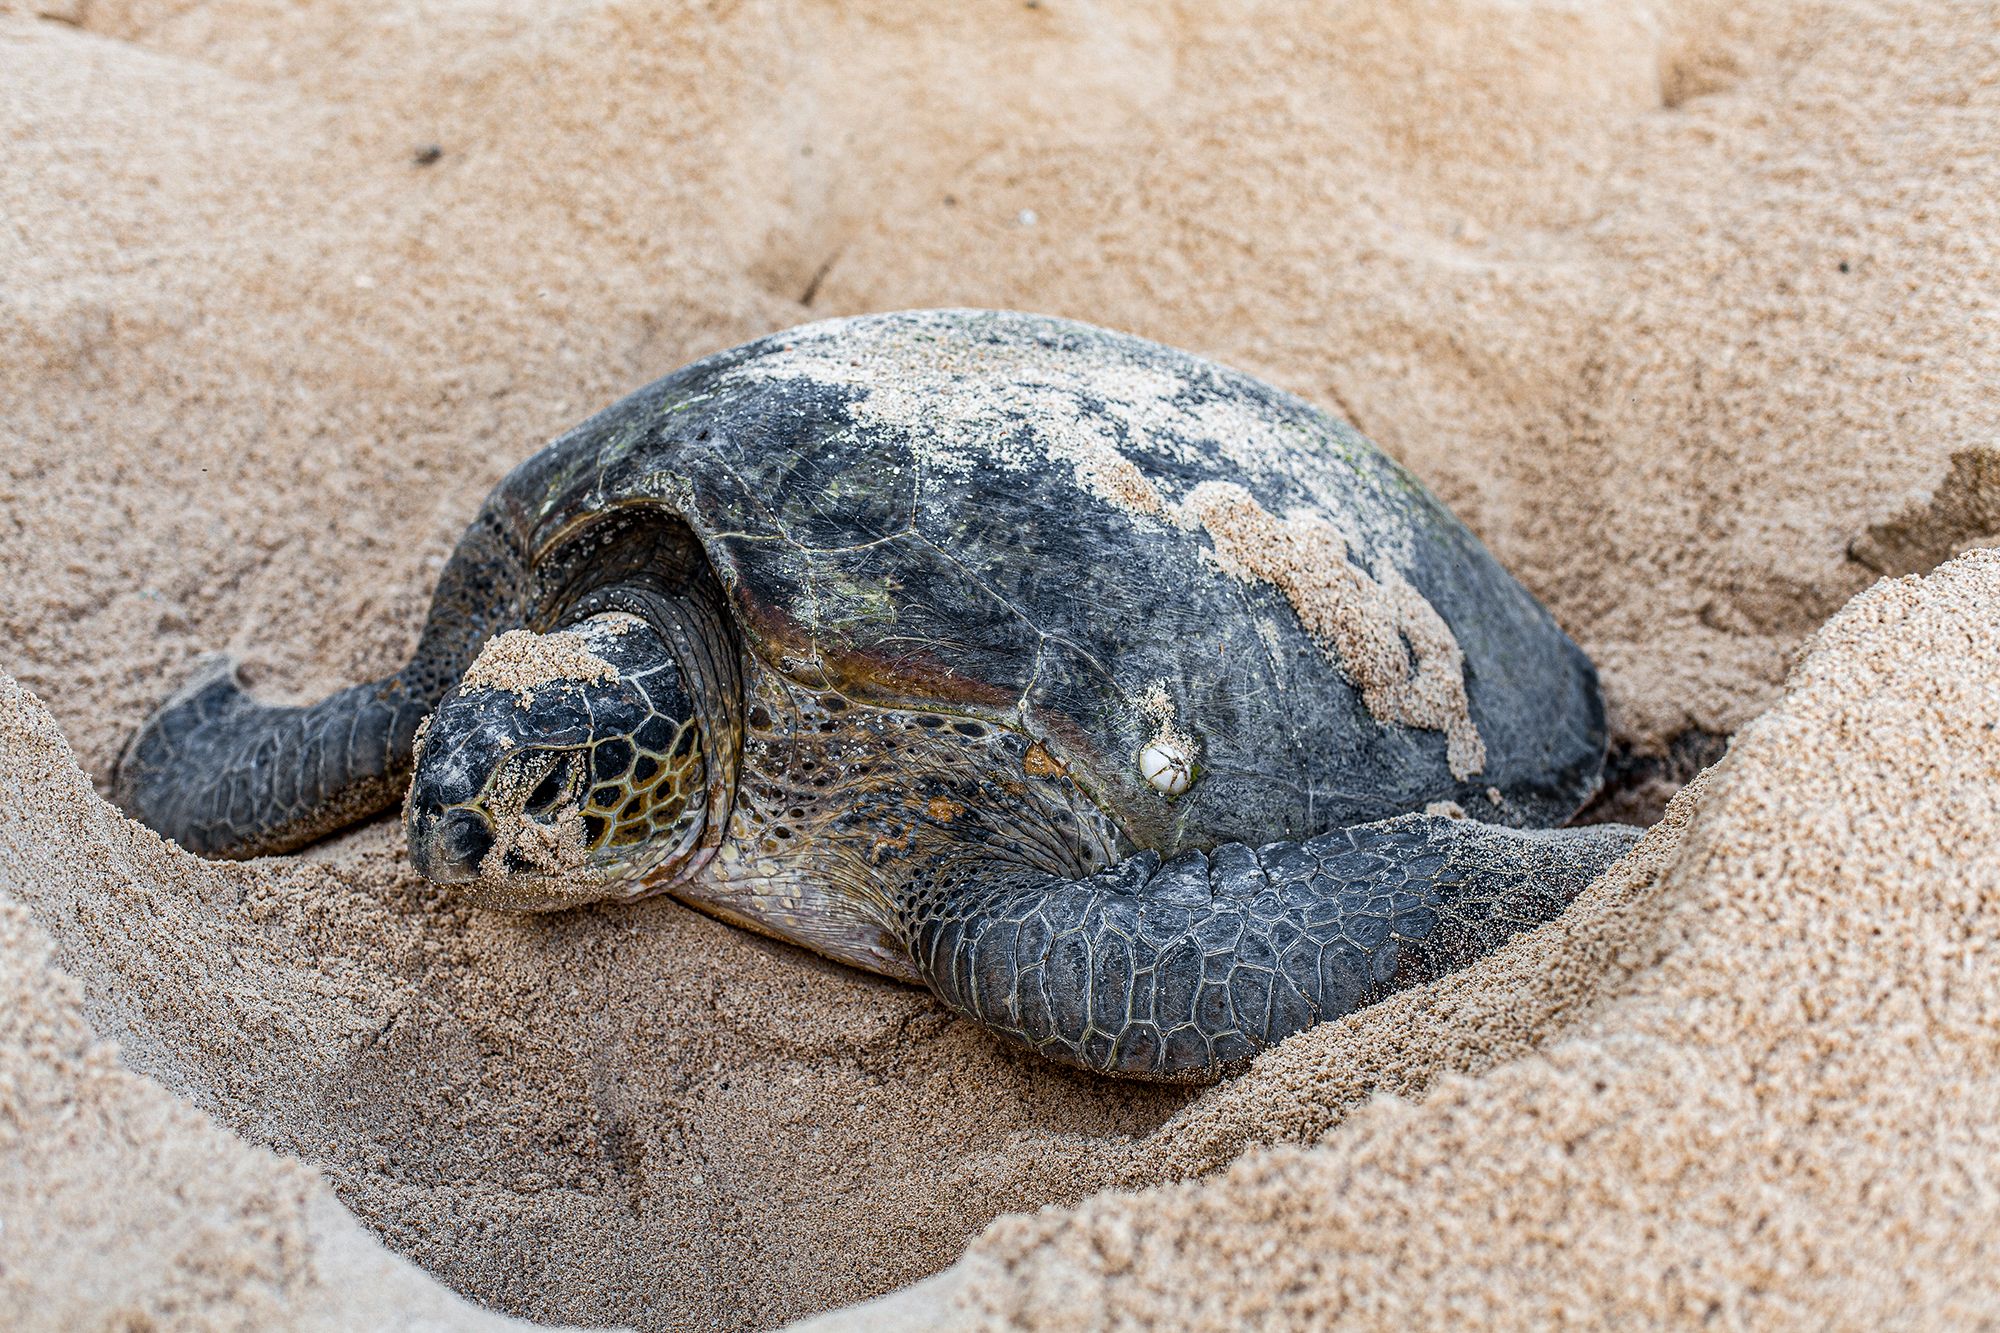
x=1684, y=307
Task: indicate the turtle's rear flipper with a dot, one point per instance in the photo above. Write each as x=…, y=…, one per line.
x=1185, y=969
x=225, y=775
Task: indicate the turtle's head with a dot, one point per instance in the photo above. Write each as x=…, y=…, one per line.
x=563, y=769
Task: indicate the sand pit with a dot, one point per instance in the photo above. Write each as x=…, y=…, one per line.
x=1684, y=308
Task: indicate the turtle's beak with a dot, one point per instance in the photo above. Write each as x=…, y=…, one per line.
x=448, y=845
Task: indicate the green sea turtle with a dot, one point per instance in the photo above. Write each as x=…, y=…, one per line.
x=1130, y=704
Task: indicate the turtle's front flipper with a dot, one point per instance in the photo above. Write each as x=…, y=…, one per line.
x=225, y=775
x=1181, y=970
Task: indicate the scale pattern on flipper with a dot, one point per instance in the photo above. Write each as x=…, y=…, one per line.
x=1183, y=969
x=226, y=775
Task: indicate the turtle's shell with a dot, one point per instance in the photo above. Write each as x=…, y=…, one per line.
x=1100, y=541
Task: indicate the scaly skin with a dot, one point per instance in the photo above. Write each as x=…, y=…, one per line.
x=1179, y=971
x=620, y=755
x=224, y=775
x=228, y=776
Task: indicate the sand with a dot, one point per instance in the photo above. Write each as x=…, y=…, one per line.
x=1685, y=307
x=523, y=662
x=126, y=1207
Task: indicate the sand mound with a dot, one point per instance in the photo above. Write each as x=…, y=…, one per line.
x=1681, y=305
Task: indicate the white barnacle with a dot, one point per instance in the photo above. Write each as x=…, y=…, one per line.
x=1167, y=760
x=1167, y=764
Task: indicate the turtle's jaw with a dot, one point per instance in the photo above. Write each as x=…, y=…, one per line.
x=523, y=840
x=536, y=835
x=448, y=846
x=455, y=846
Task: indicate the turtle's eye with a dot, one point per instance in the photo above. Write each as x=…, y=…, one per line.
x=552, y=787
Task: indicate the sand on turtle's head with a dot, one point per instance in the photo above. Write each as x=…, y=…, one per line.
x=523, y=661
x=552, y=847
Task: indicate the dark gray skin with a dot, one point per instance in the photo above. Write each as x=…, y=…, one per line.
x=896, y=617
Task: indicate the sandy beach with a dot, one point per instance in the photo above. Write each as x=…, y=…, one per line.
x=1685, y=308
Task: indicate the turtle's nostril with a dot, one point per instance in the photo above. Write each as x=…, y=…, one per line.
x=465, y=839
